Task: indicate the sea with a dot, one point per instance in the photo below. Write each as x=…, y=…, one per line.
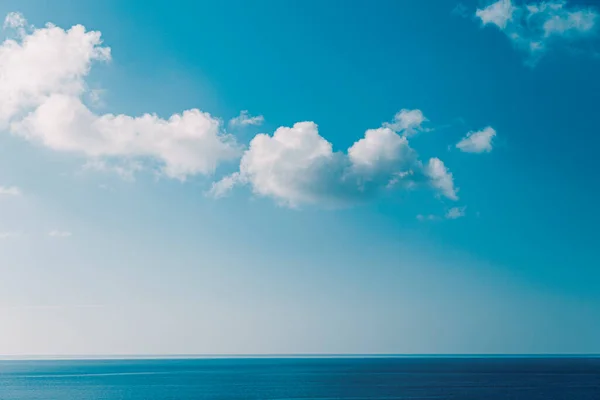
x=360, y=378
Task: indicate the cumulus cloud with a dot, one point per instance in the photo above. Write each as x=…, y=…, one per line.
x=59, y=234
x=9, y=191
x=44, y=99
x=42, y=75
x=297, y=166
x=456, y=212
x=537, y=27
x=245, y=119
x=477, y=142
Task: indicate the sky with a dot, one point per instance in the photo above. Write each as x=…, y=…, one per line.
x=299, y=177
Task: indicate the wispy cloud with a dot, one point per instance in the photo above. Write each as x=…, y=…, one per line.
x=245, y=119
x=537, y=27
x=456, y=212
x=427, y=217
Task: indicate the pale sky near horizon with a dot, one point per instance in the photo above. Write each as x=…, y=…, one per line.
x=340, y=177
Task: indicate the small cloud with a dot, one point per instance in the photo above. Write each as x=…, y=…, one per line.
x=429, y=217
x=9, y=191
x=60, y=234
x=498, y=13
x=441, y=178
x=477, y=142
x=407, y=122
x=221, y=188
x=245, y=119
x=456, y=212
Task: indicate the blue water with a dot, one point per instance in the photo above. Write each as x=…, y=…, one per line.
x=323, y=379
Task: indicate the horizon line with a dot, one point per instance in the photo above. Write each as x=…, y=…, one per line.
x=108, y=357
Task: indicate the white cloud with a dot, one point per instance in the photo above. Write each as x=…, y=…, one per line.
x=9, y=191
x=222, y=187
x=59, y=234
x=441, y=178
x=407, y=121
x=536, y=27
x=43, y=100
x=245, y=119
x=456, y=212
x=42, y=75
x=477, y=142
x=428, y=217
x=498, y=13
x=297, y=166
x=14, y=20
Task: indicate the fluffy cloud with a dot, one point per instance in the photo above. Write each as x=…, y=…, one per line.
x=42, y=75
x=297, y=166
x=536, y=27
x=44, y=100
x=185, y=144
x=245, y=119
x=456, y=212
x=477, y=142
x=9, y=191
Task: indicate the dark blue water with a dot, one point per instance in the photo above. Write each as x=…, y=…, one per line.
x=323, y=379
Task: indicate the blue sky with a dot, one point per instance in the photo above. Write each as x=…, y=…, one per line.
x=337, y=235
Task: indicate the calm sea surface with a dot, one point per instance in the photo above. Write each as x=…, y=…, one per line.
x=323, y=379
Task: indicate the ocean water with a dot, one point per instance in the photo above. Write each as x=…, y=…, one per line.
x=308, y=378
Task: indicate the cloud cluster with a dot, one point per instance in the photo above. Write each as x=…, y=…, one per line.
x=536, y=27
x=297, y=166
x=44, y=99
x=477, y=142
x=42, y=75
